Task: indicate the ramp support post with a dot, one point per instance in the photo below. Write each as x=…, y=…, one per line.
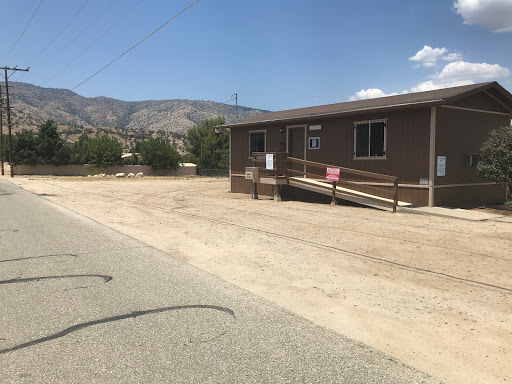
x=277, y=193
x=395, y=196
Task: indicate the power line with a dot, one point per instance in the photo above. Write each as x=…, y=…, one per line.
x=22, y=33
x=62, y=31
x=89, y=26
x=144, y=39
x=94, y=42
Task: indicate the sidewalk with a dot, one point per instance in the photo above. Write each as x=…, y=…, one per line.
x=457, y=213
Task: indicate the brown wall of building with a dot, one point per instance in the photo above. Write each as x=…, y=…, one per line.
x=458, y=133
x=275, y=142
x=407, y=147
x=407, y=144
x=241, y=185
x=470, y=196
x=481, y=100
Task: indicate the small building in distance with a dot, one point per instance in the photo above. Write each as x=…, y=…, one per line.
x=429, y=140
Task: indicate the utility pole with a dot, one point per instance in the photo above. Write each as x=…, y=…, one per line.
x=1, y=133
x=9, y=112
x=236, y=103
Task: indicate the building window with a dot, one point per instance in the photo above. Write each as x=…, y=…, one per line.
x=370, y=139
x=314, y=143
x=256, y=142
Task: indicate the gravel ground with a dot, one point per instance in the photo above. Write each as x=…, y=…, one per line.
x=435, y=293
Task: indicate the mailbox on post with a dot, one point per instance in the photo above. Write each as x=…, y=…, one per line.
x=251, y=173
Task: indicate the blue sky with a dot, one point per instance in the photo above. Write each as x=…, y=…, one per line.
x=276, y=54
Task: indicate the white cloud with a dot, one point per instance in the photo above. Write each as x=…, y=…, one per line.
x=453, y=57
x=432, y=85
x=454, y=74
x=461, y=70
x=428, y=56
x=370, y=93
x=493, y=14
x=462, y=73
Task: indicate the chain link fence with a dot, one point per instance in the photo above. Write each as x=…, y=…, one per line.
x=214, y=172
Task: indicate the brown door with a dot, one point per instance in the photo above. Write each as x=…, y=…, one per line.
x=296, y=146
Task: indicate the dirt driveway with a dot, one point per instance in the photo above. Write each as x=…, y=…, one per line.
x=433, y=292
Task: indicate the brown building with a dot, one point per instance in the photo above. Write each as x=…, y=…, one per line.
x=429, y=140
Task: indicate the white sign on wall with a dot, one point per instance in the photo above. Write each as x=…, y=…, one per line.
x=269, y=161
x=441, y=165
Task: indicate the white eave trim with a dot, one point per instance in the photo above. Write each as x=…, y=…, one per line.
x=475, y=110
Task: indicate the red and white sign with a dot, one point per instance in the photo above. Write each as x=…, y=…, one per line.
x=332, y=174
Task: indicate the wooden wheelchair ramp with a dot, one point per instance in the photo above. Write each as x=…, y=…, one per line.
x=343, y=193
x=361, y=187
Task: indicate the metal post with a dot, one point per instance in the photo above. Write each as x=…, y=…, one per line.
x=333, y=202
x=395, y=197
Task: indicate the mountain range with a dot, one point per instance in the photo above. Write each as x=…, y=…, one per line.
x=33, y=105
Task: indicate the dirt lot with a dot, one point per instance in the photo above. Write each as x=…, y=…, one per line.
x=433, y=292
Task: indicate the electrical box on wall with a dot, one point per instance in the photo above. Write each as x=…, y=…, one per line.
x=251, y=173
x=472, y=159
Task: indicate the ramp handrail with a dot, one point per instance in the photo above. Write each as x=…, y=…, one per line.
x=280, y=163
x=283, y=167
x=393, y=194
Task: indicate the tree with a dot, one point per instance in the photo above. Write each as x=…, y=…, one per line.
x=25, y=148
x=51, y=148
x=495, y=161
x=104, y=151
x=158, y=153
x=209, y=148
x=80, y=150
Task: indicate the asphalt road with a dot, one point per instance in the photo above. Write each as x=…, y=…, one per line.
x=82, y=303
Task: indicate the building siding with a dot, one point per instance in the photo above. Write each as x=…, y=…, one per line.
x=458, y=132
x=481, y=100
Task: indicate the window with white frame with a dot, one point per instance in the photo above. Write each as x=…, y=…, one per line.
x=256, y=142
x=370, y=139
x=314, y=143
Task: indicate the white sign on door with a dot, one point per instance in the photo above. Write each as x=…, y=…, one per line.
x=441, y=165
x=269, y=160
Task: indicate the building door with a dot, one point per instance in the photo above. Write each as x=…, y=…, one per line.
x=296, y=145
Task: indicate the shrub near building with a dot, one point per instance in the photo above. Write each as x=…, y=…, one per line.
x=495, y=161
